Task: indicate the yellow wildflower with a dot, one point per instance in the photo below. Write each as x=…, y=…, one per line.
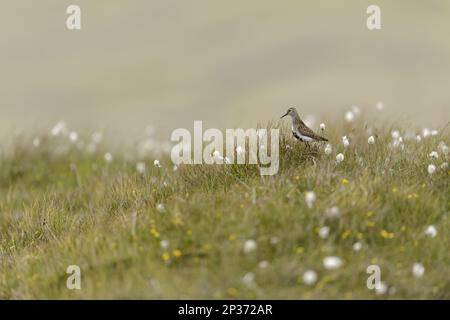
x=345, y=181
x=387, y=235
x=176, y=253
x=370, y=224
x=346, y=234
x=177, y=221
x=412, y=196
x=165, y=256
x=154, y=232
x=325, y=279
x=232, y=292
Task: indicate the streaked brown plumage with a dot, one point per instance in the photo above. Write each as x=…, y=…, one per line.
x=300, y=130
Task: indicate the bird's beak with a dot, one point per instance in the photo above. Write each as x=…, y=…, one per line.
x=284, y=115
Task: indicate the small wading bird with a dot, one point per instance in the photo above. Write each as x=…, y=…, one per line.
x=300, y=130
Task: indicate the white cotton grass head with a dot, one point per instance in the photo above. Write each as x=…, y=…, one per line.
x=356, y=111
x=324, y=232
x=333, y=212
x=108, y=157
x=156, y=164
x=274, y=240
x=249, y=280
x=322, y=126
x=349, y=116
x=332, y=263
x=345, y=141
x=328, y=149
x=309, y=277
x=379, y=105
x=443, y=148
x=264, y=264
x=395, y=134
x=371, y=140
x=433, y=155
x=164, y=244
x=357, y=246
x=250, y=246
x=398, y=143
x=434, y=132
x=418, y=138
x=175, y=168
x=160, y=207
x=310, y=198
x=59, y=129
x=418, y=270
x=426, y=132
x=97, y=137
x=444, y=165
x=36, y=142
x=73, y=136
x=431, y=231
x=339, y=157
x=431, y=169
x=140, y=167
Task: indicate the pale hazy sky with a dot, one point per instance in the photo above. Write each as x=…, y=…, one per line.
x=229, y=63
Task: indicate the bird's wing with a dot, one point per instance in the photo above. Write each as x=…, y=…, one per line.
x=309, y=133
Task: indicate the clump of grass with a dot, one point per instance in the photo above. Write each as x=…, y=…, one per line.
x=224, y=231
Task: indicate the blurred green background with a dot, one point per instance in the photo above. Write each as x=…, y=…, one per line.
x=229, y=63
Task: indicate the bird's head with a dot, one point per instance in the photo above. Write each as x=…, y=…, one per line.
x=290, y=112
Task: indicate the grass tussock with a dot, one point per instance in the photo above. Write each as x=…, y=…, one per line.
x=224, y=231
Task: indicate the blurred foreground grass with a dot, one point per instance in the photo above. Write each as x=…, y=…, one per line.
x=224, y=231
